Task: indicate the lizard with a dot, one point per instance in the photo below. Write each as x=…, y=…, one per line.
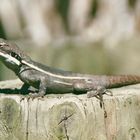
x=48, y=80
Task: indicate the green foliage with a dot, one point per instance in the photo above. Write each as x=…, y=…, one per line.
x=132, y=3
x=94, y=8
x=2, y=33
x=62, y=7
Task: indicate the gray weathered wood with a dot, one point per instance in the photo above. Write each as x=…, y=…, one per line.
x=70, y=117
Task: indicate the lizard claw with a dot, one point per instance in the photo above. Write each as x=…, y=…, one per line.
x=108, y=92
x=28, y=97
x=22, y=98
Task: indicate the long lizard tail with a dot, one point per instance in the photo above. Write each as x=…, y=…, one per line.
x=122, y=80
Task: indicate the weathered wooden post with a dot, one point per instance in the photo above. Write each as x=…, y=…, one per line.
x=69, y=117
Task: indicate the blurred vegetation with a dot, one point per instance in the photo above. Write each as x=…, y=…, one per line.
x=62, y=6
x=86, y=36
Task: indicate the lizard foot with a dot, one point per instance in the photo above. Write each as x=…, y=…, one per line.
x=36, y=95
x=23, y=98
x=98, y=92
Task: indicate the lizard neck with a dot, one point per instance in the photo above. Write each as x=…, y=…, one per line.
x=20, y=69
x=23, y=67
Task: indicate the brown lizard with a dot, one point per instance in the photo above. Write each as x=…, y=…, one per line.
x=50, y=80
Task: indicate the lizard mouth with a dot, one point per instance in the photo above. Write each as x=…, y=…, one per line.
x=3, y=54
x=9, y=58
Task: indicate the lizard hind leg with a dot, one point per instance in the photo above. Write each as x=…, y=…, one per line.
x=99, y=91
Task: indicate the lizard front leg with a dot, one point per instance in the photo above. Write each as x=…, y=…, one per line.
x=24, y=89
x=41, y=89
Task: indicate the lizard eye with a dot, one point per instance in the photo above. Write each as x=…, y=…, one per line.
x=2, y=44
x=13, y=54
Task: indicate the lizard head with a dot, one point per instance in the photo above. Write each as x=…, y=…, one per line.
x=11, y=55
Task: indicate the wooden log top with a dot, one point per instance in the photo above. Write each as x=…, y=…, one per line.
x=68, y=116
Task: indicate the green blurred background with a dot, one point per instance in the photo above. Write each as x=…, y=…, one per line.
x=85, y=36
